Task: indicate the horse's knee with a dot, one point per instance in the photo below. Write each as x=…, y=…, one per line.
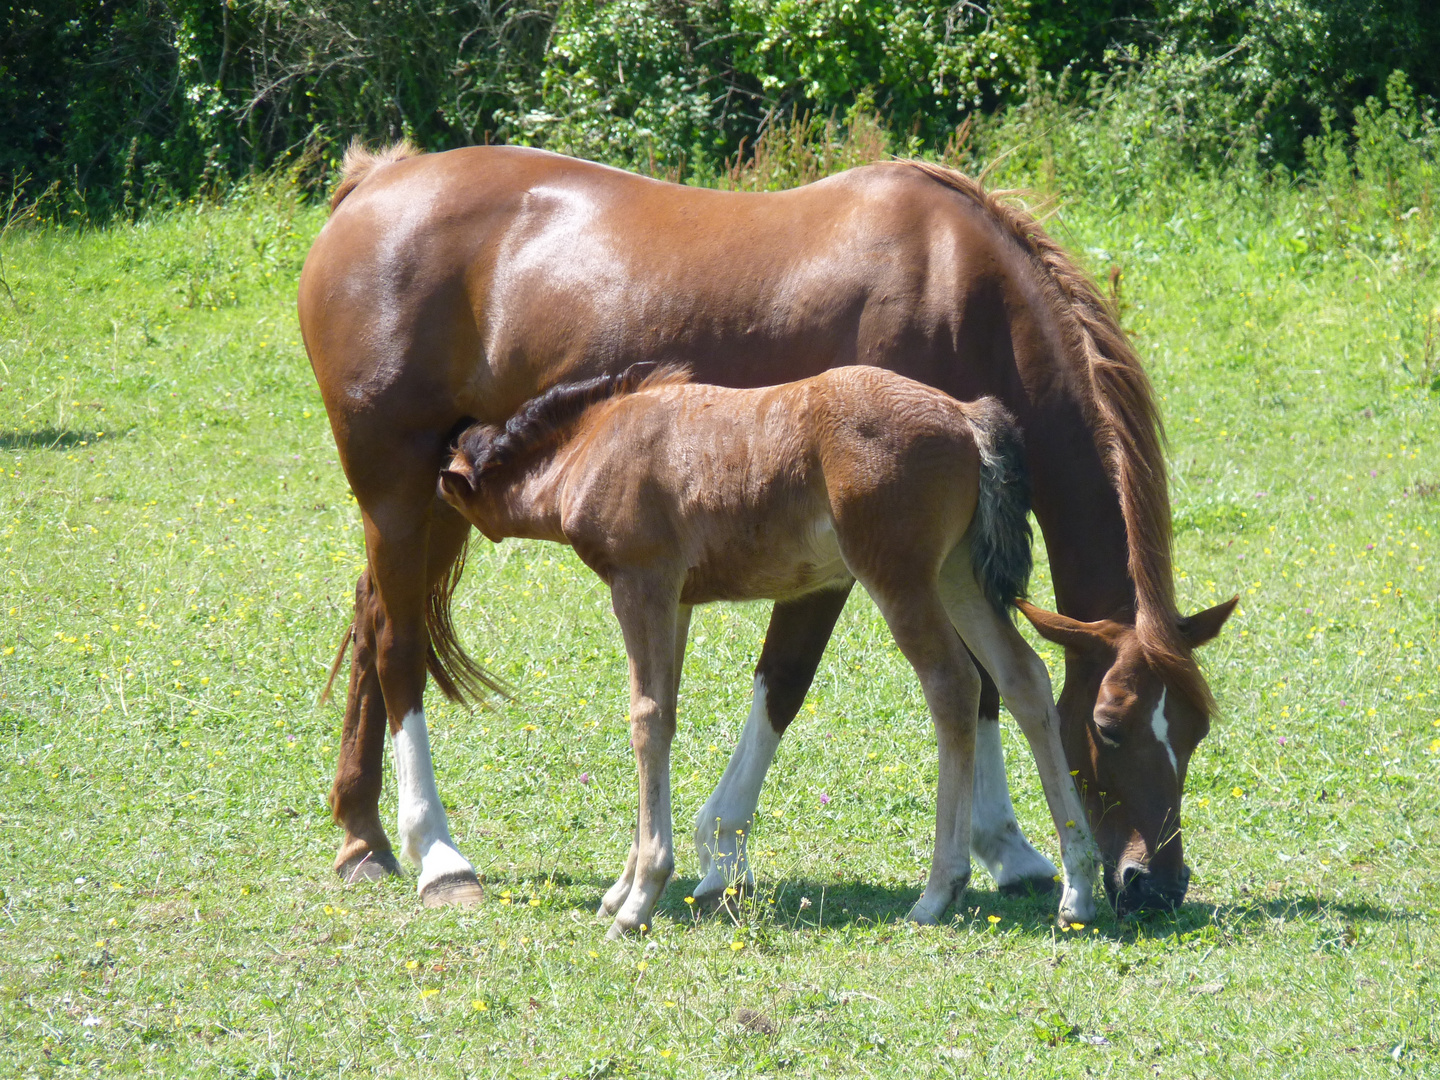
x=651, y=731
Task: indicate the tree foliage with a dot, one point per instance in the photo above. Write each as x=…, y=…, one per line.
x=136, y=101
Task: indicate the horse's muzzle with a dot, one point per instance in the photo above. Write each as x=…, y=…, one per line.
x=1134, y=889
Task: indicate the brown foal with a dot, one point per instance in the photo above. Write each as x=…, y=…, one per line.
x=679, y=494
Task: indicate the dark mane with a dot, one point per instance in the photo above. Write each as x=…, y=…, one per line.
x=543, y=419
x=1128, y=429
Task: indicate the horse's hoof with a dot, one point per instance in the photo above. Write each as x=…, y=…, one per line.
x=1076, y=906
x=1031, y=886
x=453, y=890
x=371, y=866
x=715, y=893
x=922, y=915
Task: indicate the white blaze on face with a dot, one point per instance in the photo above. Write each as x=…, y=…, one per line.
x=424, y=832
x=1161, y=727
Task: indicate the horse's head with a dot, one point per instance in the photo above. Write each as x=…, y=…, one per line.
x=1130, y=721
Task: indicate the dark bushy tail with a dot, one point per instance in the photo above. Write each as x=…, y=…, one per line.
x=1000, y=536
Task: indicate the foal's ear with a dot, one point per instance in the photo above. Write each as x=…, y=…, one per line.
x=456, y=482
x=1201, y=627
x=1072, y=633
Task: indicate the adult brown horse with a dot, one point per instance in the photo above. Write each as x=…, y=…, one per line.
x=450, y=288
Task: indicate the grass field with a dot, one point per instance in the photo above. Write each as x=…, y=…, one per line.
x=179, y=550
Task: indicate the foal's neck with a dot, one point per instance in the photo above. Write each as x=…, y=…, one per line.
x=523, y=502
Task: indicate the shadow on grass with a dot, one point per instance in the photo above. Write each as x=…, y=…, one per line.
x=46, y=438
x=838, y=905
x=832, y=905
x=1283, y=907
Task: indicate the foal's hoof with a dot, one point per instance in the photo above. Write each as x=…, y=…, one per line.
x=453, y=890
x=924, y=915
x=1031, y=886
x=371, y=866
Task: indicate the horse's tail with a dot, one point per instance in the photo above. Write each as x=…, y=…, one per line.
x=360, y=161
x=1000, y=536
x=458, y=676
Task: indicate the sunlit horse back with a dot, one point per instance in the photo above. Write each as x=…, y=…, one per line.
x=680, y=494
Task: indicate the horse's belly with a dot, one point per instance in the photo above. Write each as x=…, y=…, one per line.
x=778, y=565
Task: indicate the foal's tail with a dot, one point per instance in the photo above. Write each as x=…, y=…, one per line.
x=1000, y=536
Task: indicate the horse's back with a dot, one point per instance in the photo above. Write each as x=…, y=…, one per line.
x=469, y=278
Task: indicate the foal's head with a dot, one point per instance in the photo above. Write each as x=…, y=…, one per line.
x=483, y=454
x=1131, y=718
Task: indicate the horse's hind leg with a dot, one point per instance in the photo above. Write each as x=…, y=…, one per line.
x=951, y=684
x=365, y=853
x=411, y=542
x=794, y=644
x=995, y=836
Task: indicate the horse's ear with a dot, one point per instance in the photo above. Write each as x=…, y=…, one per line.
x=1201, y=627
x=1072, y=633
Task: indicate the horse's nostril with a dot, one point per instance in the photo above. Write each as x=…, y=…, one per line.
x=1129, y=875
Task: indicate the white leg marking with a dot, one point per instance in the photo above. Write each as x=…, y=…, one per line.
x=1161, y=727
x=995, y=837
x=424, y=833
x=719, y=839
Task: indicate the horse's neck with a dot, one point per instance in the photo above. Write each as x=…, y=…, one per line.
x=1076, y=505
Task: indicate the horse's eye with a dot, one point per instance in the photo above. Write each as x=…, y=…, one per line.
x=1111, y=732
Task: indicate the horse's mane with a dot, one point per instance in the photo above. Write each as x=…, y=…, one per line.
x=360, y=160
x=1128, y=430
x=543, y=419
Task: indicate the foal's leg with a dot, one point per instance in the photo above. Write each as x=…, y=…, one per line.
x=921, y=628
x=1025, y=684
x=616, y=894
x=646, y=606
x=794, y=644
x=995, y=836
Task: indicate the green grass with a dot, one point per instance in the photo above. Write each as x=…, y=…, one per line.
x=179, y=550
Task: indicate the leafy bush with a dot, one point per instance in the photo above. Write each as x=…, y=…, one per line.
x=135, y=103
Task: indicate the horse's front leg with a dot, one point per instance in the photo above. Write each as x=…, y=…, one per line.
x=995, y=836
x=794, y=644
x=647, y=607
x=616, y=894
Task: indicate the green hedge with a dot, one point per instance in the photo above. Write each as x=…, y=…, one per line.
x=129, y=103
